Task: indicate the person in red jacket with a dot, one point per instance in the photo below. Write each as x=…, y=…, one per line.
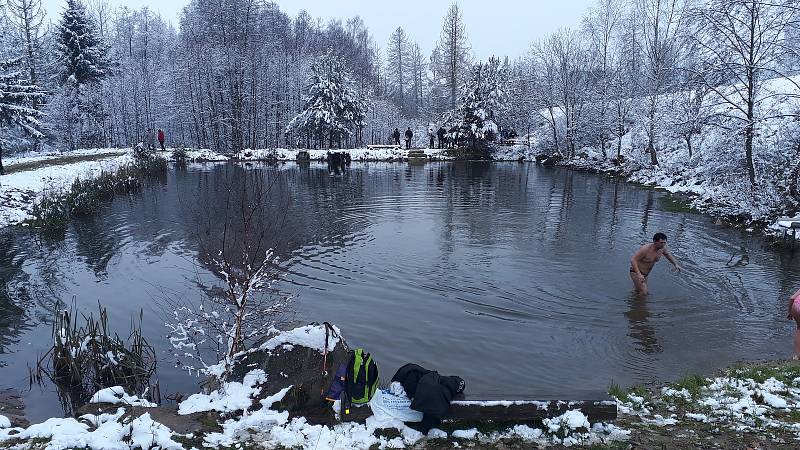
x=161, y=138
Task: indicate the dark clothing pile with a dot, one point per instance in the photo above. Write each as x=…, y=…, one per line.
x=337, y=162
x=430, y=392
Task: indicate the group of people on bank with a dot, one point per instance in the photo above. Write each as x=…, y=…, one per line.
x=337, y=162
x=446, y=139
x=451, y=138
x=150, y=139
x=408, y=135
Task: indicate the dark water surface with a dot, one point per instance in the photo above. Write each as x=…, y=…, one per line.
x=511, y=275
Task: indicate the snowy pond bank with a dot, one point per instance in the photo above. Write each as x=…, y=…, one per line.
x=757, y=404
x=249, y=411
x=695, y=185
x=511, y=235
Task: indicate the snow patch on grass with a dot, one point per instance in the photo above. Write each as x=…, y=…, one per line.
x=116, y=395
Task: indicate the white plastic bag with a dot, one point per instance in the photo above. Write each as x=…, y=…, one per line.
x=387, y=407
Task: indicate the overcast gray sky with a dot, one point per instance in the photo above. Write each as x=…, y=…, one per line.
x=500, y=27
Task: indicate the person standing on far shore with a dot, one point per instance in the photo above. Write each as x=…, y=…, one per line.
x=440, y=134
x=396, y=136
x=150, y=140
x=794, y=313
x=161, y=139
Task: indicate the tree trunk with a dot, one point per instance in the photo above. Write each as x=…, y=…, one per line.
x=620, y=129
x=653, y=156
x=651, y=134
x=555, y=131
x=793, y=182
x=603, y=145
x=749, y=129
x=748, y=150
x=689, y=145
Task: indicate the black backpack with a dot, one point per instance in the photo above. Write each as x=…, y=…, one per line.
x=361, y=377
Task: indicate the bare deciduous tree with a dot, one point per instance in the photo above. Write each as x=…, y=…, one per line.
x=662, y=23
x=397, y=65
x=453, y=51
x=236, y=234
x=601, y=27
x=744, y=41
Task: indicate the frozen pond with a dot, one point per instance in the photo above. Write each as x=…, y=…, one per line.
x=510, y=275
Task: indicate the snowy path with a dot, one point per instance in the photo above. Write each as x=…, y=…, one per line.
x=35, y=160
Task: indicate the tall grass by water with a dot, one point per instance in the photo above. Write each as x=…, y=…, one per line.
x=56, y=207
x=88, y=357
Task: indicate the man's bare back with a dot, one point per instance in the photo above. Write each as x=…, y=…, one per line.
x=645, y=258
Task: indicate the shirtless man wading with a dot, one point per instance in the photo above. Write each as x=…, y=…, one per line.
x=642, y=261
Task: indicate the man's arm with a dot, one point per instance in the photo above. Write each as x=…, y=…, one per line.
x=671, y=259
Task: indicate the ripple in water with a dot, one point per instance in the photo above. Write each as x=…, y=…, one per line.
x=512, y=276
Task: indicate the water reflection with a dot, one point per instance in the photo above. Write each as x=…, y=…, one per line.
x=13, y=295
x=443, y=263
x=95, y=246
x=641, y=330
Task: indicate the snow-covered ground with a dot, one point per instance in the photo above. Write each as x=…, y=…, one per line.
x=761, y=400
x=284, y=154
x=715, y=176
x=19, y=190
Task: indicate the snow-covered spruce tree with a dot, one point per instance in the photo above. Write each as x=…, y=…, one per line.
x=81, y=52
x=482, y=97
x=82, y=62
x=17, y=95
x=332, y=108
x=28, y=17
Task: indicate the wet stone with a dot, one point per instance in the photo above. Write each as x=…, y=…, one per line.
x=12, y=407
x=297, y=366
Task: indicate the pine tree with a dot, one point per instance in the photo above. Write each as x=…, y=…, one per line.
x=81, y=53
x=332, y=107
x=82, y=62
x=28, y=17
x=16, y=96
x=482, y=98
